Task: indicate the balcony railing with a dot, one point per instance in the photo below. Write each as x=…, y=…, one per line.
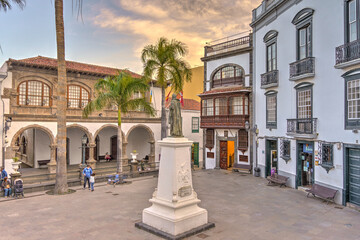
x=219, y=121
x=301, y=126
x=303, y=67
x=228, y=82
x=347, y=52
x=270, y=79
x=228, y=46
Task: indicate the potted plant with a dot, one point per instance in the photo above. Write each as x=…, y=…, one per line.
x=15, y=164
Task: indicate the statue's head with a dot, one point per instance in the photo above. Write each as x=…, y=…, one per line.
x=174, y=96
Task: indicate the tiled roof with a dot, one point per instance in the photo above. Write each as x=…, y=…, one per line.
x=189, y=104
x=226, y=90
x=72, y=66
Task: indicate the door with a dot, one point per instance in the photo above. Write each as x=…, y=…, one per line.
x=223, y=155
x=96, y=148
x=305, y=164
x=113, y=147
x=353, y=176
x=68, y=151
x=271, y=156
x=195, y=153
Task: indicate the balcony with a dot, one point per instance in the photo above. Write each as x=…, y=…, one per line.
x=224, y=121
x=228, y=46
x=270, y=79
x=304, y=127
x=348, y=54
x=303, y=68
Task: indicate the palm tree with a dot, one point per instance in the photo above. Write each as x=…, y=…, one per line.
x=5, y=4
x=164, y=62
x=61, y=185
x=117, y=91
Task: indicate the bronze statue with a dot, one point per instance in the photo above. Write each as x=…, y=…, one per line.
x=175, y=119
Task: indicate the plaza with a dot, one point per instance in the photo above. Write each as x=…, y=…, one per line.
x=241, y=206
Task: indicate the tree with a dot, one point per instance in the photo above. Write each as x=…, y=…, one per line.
x=117, y=91
x=61, y=185
x=164, y=62
x=6, y=4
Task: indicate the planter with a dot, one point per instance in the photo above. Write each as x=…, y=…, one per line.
x=133, y=155
x=15, y=166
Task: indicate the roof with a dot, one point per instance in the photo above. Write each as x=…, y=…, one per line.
x=189, y=104
x=225, y=90
x=41, y=61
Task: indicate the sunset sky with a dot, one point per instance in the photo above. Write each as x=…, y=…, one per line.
x=113, y=32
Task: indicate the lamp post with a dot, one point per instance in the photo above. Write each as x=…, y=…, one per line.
x=84, y=142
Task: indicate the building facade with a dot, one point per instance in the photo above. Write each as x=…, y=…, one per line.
x=225, y=102
x=28, y=91
x=306, y=93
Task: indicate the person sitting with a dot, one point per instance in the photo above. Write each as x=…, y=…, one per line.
x=6, y=184
x=107, y=157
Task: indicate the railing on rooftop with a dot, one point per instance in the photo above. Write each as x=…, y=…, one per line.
x=228, y=46
x=264, y=6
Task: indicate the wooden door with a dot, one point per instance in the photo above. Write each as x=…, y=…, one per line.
x=96, y=148
x=113, y=147
x=87, y=151
x=223, y=155
x=353, y=176
x=67, y=151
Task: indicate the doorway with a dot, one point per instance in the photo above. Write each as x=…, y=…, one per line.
x=223, y=155
x=113, y=147
x=352, y=176
x=305, y=164
x=271, y=157
x=195, y=154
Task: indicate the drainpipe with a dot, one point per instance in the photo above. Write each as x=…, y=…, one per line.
x=254, y=95
x=2, y=77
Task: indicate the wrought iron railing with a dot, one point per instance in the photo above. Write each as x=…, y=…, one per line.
x=237, y=121
x=270, y=78
x=303, y=66
x=347, y=52
x=302, y=126
x=221, y=47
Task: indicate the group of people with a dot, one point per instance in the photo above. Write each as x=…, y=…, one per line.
x=5, y=183
x=89, y=177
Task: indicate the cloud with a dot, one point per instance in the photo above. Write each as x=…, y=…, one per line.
x=193, y=22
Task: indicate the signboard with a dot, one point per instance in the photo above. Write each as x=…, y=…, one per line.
x=185, y=191
x=307, y=148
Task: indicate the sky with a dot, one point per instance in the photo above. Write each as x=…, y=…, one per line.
x=113, y=32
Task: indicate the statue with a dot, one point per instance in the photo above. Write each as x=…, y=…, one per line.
x=175, y=120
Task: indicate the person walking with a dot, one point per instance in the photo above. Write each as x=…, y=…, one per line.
x=87, y=174
x=92, y=181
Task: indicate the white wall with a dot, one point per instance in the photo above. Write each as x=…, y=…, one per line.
x=138, y=140
x=75, y=135
x=42, y=147
x=105, y=140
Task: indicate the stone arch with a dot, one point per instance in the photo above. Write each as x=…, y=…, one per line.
x=87, y=132
x=141, y=126
x=21, y=130
x=106, y=126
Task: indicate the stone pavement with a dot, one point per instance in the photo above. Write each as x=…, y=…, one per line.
x=241, y=206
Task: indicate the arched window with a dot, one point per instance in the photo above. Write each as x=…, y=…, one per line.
x=228, y=75
x=78, y=97
x=34, y=93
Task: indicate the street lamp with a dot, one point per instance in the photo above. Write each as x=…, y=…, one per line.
x=84, y=142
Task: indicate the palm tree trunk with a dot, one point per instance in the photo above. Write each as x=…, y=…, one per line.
x=61, y=185
x=163, y=114
x=119, y=167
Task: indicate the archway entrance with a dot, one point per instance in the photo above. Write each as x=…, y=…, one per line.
x=140, y=138
x=106, y=142
x=74, y=145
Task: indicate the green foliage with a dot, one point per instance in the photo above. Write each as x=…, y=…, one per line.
x=118, y=91
x=6, y=4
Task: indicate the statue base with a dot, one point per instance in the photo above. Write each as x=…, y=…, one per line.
x=175, y=211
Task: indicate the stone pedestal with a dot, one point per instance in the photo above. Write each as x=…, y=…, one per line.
x=174, y=212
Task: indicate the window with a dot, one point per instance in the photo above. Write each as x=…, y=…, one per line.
x=352, y=20
x=303, y=22
x=227, y=75
x=327, y=154
x=220, y=106
x=271, y=110
x=304, y=108
x=235, y=106
x=353, y=99
x=195, y=124
x=271, y=57
x=78, y=97
x=34, y=93
x=285, y=149
x=210, y=138
x=138, y=95
x=243, y=139
x=208, y=107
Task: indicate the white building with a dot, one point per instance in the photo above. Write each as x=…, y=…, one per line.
x=225, y=102
x=306, y=92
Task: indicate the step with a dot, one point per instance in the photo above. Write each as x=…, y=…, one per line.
x=36, y=187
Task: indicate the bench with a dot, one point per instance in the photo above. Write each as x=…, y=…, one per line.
x=242, y=167
x=43, y=162
x=324, y=192
x=277, y=179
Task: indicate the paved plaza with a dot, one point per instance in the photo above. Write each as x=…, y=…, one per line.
x=241, y=206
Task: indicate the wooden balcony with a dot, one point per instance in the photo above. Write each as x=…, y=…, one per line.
x=270, y=79
x=224, y=121
x=303, y=68
x=347, y=54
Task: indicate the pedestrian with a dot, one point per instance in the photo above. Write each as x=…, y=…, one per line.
x=6, y=184
x=87, y=173
x=3, y=174
x=92, y=181
x=107, y=157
